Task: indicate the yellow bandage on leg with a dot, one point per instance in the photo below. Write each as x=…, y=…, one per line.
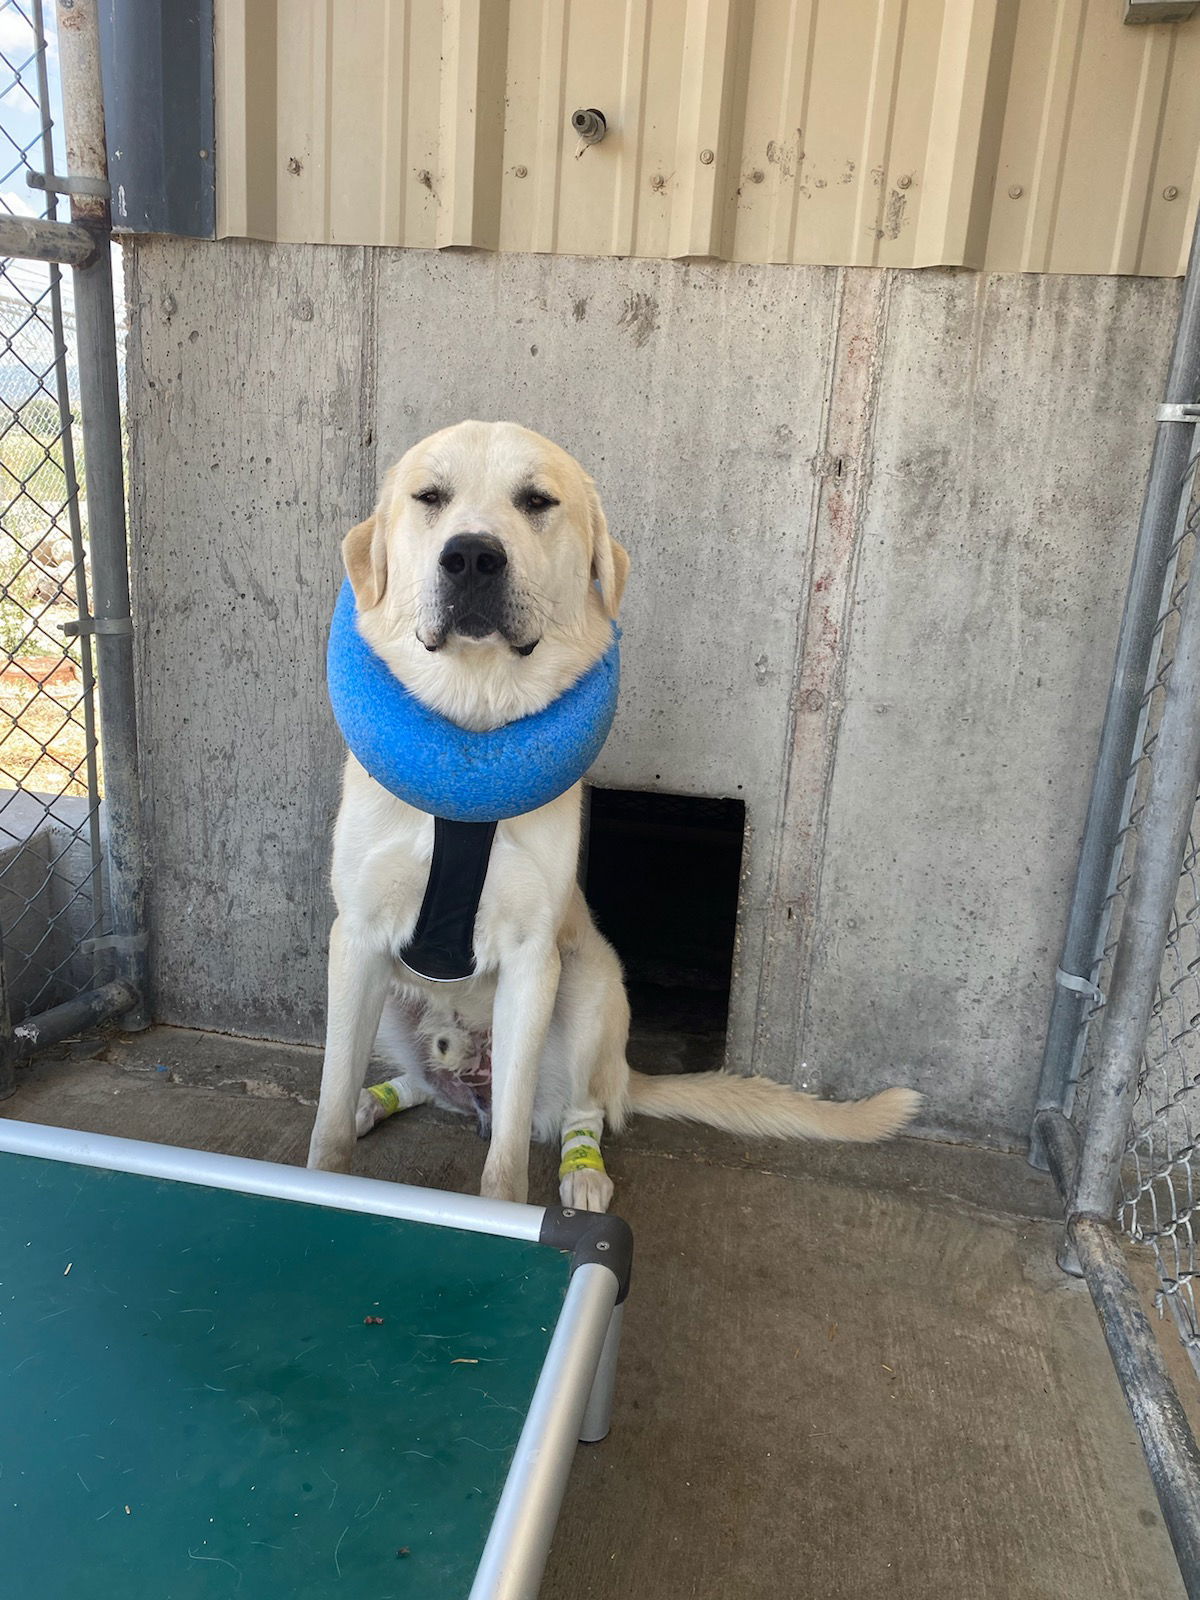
x=386, y=1094
x=580, y=1153
x=379, y=1100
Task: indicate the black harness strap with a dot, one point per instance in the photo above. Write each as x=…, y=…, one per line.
x=443, y=943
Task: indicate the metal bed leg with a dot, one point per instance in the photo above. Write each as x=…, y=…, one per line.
x=597, y=1419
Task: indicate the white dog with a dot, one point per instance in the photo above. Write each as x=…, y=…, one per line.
x=488, y=582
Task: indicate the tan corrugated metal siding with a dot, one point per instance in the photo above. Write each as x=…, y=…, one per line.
x=1016, y=135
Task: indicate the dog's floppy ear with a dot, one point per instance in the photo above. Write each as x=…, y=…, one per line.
x=610, y=561
x=365, y=555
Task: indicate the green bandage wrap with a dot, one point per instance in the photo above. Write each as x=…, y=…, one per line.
x=386, y=1095
x=580, y=1153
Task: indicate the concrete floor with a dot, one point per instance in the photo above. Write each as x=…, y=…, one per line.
x=846, y=1372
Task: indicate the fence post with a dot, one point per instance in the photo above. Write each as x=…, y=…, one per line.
x=1154, y=885
x=111, y=623
x=8, y=1056
x=1135, y=643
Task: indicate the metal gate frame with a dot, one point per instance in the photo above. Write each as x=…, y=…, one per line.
x=1143, y=801
x=84, y=244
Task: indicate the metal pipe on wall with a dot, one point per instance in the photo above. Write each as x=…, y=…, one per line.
x=110, y=623
x=1082, y=944
x=72, y=1017
x=62, y=386
x=1153, y=887
x=8, y=1055
x=31, y=239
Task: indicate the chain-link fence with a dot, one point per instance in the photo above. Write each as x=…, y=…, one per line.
x=1159, y=1193
x=70, y=946
x=1119, y=1106
x=1158, y=1200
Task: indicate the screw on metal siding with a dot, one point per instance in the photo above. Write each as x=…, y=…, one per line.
x=1015, y=191
x=904, y=183
x=757, y=175
x=706, y=156
x=1170, y=192
x=521, y=172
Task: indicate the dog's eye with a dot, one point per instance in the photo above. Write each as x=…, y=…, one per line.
x=431, y=497
x=533, y=501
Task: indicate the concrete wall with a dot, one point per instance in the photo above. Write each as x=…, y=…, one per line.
x=880, y=523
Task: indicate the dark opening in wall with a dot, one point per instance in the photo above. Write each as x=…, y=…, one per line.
x=662, y=880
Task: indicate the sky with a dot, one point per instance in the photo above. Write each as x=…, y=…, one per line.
x=19, y=117
x=20, y=122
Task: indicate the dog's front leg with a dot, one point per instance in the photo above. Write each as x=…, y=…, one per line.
x=525, y=992
x=358, y=982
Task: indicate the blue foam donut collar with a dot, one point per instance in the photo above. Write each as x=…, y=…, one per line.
x=448, y=771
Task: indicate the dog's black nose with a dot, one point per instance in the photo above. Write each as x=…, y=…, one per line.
x=470, y=560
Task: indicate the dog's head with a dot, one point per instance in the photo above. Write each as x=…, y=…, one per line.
x=487, y=578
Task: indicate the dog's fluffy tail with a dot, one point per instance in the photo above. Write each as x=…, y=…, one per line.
x=761, y=1108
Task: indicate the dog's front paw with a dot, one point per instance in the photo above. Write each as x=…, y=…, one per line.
x=330, y=1155
x=502, y=1183
x=586, y=1191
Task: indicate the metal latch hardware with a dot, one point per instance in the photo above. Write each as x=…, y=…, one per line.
x=1084, y=986
x=125, y=944
x=81, y=625
x=55, y=183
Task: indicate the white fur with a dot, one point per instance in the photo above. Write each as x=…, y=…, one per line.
x=547, y=984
